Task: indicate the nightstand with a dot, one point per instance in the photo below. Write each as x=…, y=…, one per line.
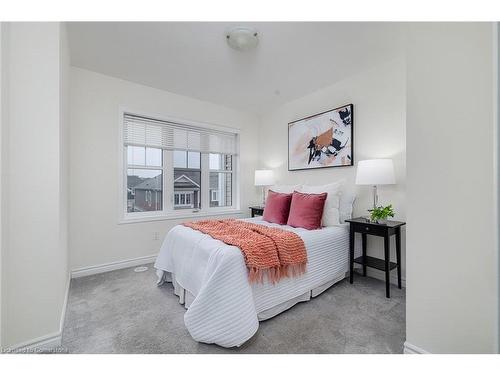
x=386, y=230
x=257, y=210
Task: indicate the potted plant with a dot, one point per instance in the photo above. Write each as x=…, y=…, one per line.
x=381, y=213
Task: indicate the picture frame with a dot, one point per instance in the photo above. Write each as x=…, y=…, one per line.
x=322, y=140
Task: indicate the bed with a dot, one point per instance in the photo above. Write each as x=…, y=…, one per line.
x=210, y=278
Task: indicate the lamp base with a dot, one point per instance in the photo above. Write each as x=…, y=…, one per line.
x=375, y=196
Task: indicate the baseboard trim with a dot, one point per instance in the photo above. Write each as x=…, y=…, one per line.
x=39, y=344
x=65, y=304
x=106, y=267
x=46, y=342
x=413, y=349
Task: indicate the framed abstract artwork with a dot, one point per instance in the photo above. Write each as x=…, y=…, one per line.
x=323, y=140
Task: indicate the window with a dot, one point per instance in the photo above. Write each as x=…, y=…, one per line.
x=184, y=200
x=214, y=195
x=221, y=180
x=173, y=168
x=144, y=177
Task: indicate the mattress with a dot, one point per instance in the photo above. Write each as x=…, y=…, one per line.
x=211, y=279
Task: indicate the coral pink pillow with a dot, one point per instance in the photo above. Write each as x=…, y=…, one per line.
x=277, y=207
x=306, y=210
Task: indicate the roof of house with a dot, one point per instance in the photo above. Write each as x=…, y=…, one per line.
x=153, y=183
x=183, y=180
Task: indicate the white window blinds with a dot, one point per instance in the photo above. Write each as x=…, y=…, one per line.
x=142, y=131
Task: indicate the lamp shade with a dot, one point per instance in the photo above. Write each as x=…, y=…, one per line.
x=375, y=172
x=264, y=177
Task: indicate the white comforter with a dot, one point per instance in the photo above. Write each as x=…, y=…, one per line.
x=226, y=306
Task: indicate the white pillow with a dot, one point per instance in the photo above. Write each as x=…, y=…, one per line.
x=347, y=199
x=331, y=212
x=285, y=189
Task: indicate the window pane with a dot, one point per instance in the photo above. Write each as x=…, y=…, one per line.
x=194, y=160
x=153, y=157
x=136, y=155
x=187, y=185
x=144, y=190
x=221, y=188
x=180, y=159
x=215, y=161
x=221, y=162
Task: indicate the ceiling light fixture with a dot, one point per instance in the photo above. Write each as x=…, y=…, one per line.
x=242, y=38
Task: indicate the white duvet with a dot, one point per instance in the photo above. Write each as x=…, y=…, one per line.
x=226, y=307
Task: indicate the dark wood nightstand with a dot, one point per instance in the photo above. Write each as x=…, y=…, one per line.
x=257, y=210
x=364, y=226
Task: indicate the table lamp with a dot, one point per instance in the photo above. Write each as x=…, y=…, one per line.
x=375, y=172
x=264, y=177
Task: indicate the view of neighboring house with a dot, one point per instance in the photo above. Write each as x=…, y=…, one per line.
x=145, y=194
x=214, y=190
x=220, y=189
x=186, y=189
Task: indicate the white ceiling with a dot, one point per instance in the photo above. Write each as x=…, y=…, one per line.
x=193, y=59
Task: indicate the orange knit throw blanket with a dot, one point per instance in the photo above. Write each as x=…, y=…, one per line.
x=271, y=252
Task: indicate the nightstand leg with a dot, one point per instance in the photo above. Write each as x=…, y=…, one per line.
x=398, y=254
x=351, y=254
x=387, y=269
x=363, y=240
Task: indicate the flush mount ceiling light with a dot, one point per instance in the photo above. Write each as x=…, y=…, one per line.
x=242, y=38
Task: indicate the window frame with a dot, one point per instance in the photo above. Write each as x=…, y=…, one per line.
x=168, y=212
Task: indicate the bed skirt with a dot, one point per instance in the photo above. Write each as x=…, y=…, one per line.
x=186, y=297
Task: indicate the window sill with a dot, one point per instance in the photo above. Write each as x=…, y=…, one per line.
x=181, y=215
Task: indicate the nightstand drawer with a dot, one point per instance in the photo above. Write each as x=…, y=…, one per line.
x=369, y=229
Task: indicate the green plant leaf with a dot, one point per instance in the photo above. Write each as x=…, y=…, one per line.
x=381, y=212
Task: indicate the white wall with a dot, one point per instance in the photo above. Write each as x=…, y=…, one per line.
x=452, y=281
x=496, y=118
x=2, y=123
x=378, y=95
x=35, y=252
x=95, y=235
x=64, y=103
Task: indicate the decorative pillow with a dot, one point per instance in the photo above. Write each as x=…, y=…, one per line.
x=331, y=212
x=306, y=210
x=277, y=207
x=288, y=189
